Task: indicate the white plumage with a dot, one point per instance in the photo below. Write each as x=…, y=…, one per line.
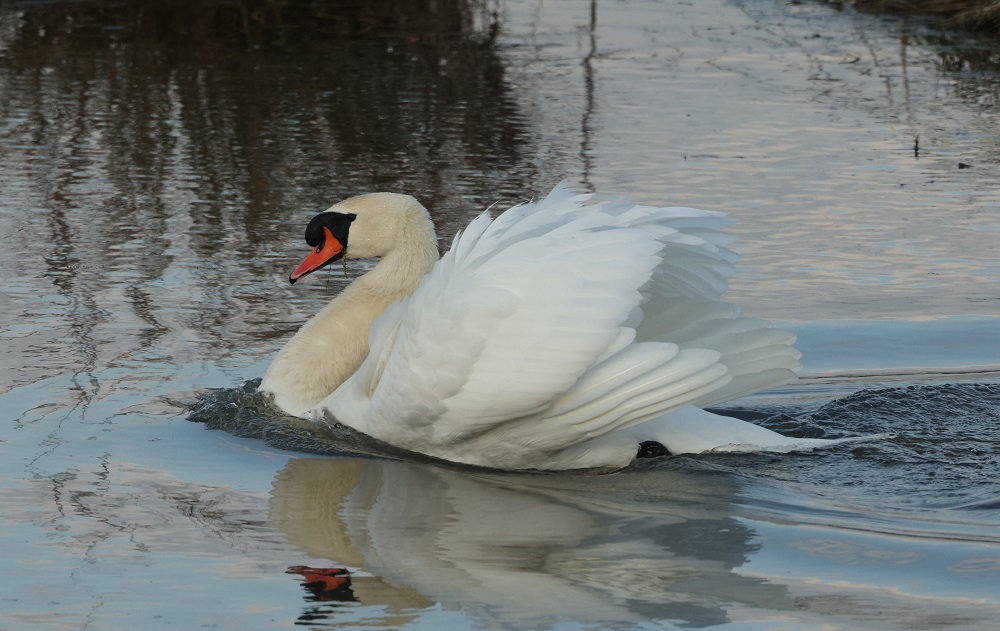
x=559, y=335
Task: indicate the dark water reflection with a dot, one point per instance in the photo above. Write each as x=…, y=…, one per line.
x=301, y=98
x=148, y=143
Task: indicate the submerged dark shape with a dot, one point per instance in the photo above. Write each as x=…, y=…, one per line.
x=651, y=449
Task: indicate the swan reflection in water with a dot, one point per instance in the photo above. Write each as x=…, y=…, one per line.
x=521, y=551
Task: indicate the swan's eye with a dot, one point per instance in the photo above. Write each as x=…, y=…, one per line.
x=319, y=248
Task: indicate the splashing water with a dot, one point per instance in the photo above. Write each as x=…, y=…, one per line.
x=943, y=449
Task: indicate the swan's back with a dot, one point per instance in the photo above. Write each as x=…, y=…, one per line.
x=558, y=324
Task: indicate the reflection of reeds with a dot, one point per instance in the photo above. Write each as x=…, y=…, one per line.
x=979, y=15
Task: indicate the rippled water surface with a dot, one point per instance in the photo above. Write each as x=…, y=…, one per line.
x=158, y=164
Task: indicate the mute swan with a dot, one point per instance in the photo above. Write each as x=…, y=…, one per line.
x=559, y=335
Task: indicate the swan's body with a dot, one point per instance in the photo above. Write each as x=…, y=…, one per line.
x=558, y=336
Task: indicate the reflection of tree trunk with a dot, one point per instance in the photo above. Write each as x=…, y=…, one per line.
x=64, y=264
x=588, y=111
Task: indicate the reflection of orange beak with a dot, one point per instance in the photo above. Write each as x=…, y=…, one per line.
x=325, y=583
x=327, y=252
x=329, y=577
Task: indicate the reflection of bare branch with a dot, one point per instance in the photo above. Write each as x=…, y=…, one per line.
x=95, y=511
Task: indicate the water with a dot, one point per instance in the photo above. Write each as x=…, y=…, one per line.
x=158, y=165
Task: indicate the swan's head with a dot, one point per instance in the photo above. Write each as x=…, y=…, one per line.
x=376, y=224
x=327, y=234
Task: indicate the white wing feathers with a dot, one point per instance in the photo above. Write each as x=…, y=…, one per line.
x=527, y=330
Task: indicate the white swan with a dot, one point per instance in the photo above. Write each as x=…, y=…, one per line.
x=560, y=335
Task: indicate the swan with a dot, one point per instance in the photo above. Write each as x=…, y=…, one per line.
x=563, y=334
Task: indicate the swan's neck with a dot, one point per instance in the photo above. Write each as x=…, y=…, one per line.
x=331, y=346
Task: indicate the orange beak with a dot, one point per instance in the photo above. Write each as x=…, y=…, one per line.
x=327, y=252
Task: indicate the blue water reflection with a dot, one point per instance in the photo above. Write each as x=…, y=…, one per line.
x=955, y=344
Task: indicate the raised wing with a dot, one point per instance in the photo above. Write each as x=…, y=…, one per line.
x=532, y=316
